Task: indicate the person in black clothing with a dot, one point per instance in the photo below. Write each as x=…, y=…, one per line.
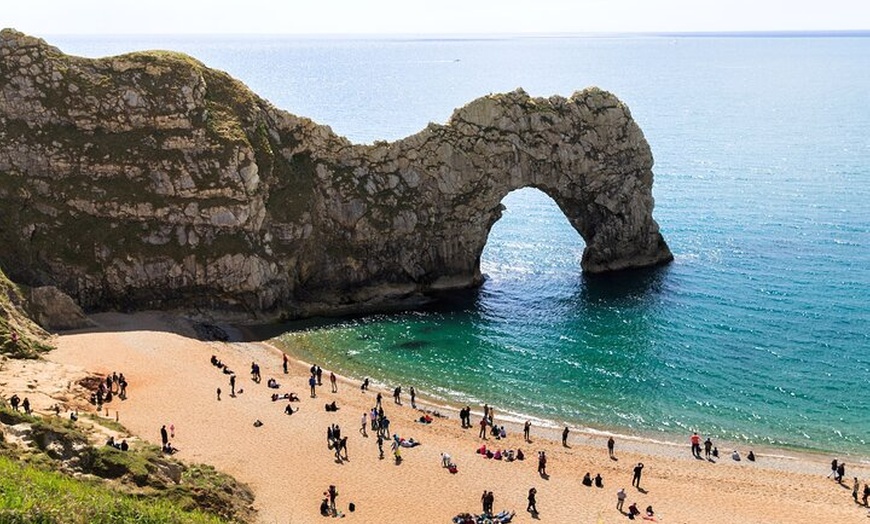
x=164, y=436
x=635, y=480
x=532, y=508
x=565, y=437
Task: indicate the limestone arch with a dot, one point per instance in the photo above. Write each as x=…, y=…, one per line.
x=584, y=152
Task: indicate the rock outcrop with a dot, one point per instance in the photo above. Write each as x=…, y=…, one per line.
x=150, y=180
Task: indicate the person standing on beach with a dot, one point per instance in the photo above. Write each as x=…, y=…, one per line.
x=708, y=446
x=397, y=395
x=482, y=433
x=312, y=383
x=319, y=373
x=565, y=437
x=26, y=405
x=841, y=472
x=833, y=468
x=233, y=385
x=527, y=429
x=635, y=479
x=413, y=398
x=855, y=487
x=164, y=436
x=620, y=499
x=362, y=428
x=285, y=364
x=866, y=494
x=380, y=446
x=332, y=493
x=696, y=445
x=219, y=394
x=532, y=507
x=610, y=445
x=333, y=381
x=542, y=464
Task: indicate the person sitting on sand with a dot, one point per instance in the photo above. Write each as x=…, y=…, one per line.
x=272, y=383
x=288, y=409
x=587, y=479
x=520, y=455
x=735, y=455
x=124, y=446
x=331, y=406
x=169, y=449
x=111, y=441
x=599, y=482
x=751, y=456
x=633, y=511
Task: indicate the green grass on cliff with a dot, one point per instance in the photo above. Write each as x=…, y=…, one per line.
x=31, y=495
x=32, y=339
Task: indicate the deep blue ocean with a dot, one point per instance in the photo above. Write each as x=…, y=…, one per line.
x=758, y=332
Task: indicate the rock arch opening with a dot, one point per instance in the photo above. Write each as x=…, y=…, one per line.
x=532, y=241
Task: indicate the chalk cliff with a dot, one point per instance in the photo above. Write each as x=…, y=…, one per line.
x=149, y=180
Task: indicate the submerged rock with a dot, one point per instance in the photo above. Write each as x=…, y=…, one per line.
x=149, y=180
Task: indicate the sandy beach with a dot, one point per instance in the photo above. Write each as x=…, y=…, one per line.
x=288, y=465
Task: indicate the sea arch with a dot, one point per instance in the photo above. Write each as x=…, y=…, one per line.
x=585, y=152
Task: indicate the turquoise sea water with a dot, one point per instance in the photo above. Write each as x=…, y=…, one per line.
x=758, y=332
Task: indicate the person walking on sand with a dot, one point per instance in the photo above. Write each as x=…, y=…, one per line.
x=397, y=395
x=532, y=508
x=482, y=433
x=233, y=385
x=219, y=394
x=833, y=468
x=841, y=472
x=610, y=445
x=527, y=429
x=413, y=398
x=285, y=364
x=635, y=479
x=855, y=487
x=164, y=436
x=380, y=446
x=620, y=499
x=378, y=399
x=866, y=494
x=362, y=428
x=333, y=382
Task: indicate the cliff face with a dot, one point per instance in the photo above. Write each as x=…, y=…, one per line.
x=150, y=180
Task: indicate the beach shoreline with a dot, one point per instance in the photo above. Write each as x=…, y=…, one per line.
x=288, y=466
x=514, y=422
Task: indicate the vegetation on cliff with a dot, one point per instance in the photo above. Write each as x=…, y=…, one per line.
x=50, y=472
x=20, y=337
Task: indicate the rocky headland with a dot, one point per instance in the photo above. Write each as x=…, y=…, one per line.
x=149, y=180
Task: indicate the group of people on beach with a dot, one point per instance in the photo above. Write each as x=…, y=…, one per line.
x=114, y=384
x=838, y=472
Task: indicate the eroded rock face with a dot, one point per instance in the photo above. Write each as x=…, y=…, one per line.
x=149, y=180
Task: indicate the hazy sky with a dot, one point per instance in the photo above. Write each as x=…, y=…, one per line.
x=48, y=17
